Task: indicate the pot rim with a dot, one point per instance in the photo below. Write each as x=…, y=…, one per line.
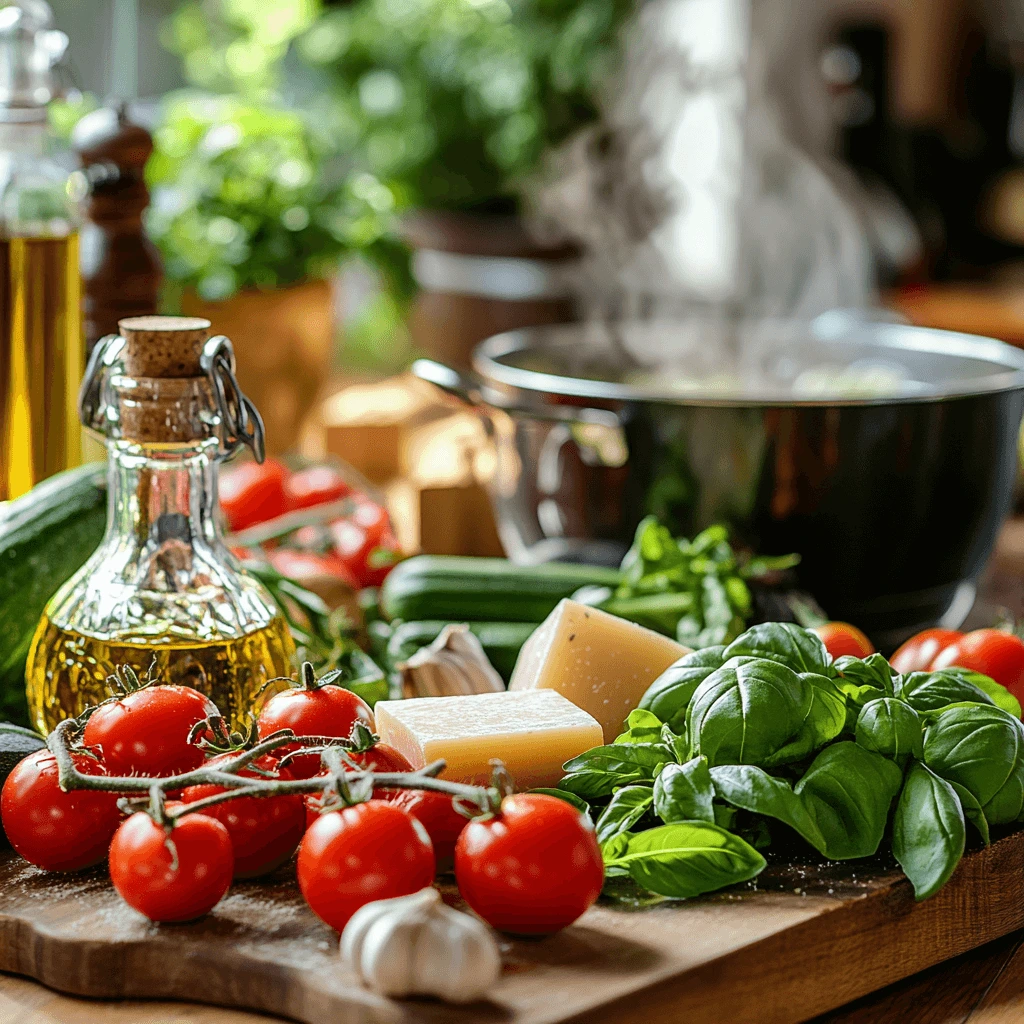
x=1007, y=375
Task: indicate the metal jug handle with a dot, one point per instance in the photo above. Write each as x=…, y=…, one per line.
x=105, y=355
x=241, y=420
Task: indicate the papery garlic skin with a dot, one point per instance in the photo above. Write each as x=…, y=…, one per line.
x=453, y=665
x=417, y=946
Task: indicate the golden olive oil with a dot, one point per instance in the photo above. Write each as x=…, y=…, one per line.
x=67, y=671
x=42, y=354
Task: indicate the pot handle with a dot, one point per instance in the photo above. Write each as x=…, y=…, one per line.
x=472, y=390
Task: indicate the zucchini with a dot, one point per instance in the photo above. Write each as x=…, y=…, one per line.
x=501, y=641
x=454, y=588
x=46, y=536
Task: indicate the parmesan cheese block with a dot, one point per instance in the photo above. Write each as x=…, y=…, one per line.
x=534, y=733
x=602, y=663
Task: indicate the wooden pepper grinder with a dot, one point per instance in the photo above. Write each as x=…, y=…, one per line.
x=121, y=269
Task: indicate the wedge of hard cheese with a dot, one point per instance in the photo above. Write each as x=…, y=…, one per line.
x=534, y=733
x=602, y=663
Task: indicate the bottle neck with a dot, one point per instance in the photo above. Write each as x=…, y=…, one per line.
x=164, y=498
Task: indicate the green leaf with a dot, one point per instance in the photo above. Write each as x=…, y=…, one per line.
x=625, y=809
x=891, y=727
x=669, y=695
x=594, y=784
x=928, y=831
x=997, y=693
x=687, y=859
x=624, y=758
x=973, y=812
x=641, y=727
x=980, y=747
x=932, y=691
x=569, y=798
x=824, y=719
x=848, y=792
x=793, y=646
x=684, y=792
x=864, y=679
x=751, y=789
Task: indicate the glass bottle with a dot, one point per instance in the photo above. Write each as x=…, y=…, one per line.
x=41, y=340
x=162, y=593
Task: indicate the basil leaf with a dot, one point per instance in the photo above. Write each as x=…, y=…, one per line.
x=592, y=785
x=980, y=747
x=641, y=727
x=928, y=831
x=824, y=720
x=626, y=808
x=864, y=679
x=932, y=691
x=996, y=692
x=793, y=646
x=683, y=792
x=570, y=798
x=890, y=727
x=848, y=791
x=752, y=789
x=678, y=742
x=973, y=812
x=669, y=695
x=747, y=711
x=641, y=759
x=686, y=859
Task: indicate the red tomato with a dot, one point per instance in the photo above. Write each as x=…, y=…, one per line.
x=380, y=757
x=54, y=830
x=252, y=493
x=533, y=868
x=365, y=542
x=171, y=885
x=304, y=566
x=146, y=732
x=992, y=653
x=438, y=815
x=917, y=654
x=264, y=830
x=316, y=485
x=840, y=638
x=372, y=851
x=323, y=711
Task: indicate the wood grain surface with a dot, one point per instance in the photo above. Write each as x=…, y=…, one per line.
x=802, y=940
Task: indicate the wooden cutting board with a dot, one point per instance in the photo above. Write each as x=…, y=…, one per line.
x=801, y=940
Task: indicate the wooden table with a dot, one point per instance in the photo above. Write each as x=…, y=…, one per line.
x=985, y=986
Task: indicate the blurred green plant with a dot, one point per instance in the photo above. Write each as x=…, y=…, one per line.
x=244, y=196
x=454, y=102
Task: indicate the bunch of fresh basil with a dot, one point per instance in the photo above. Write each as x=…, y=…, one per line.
x=769, y=729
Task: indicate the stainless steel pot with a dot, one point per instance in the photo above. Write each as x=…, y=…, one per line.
x=891, y=483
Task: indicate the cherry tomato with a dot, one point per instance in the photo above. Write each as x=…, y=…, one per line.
x=316, y=485
x=171, y=885
x=253, y=493
x=322, y=711
x=992, y=653
x=54, y=830
x=438, y=815
x=306, y=566
x=380, y=757
x=840, y=638
x=264, y=830
x=533, y=868
x=146, y=732
x=364, y=541
x=917, y=654
x=372, y=851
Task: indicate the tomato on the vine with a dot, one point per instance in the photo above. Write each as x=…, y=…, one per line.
x=438, y=815
x=317, y=710
x=54, y=830
x=381, y=757
x=147, y=731
x=252, y=493
x=918, y=653
x=264, y=830
x=351, y=857
x=840, y=638
x=171, y=876
x=993, y=653
x=533, y=868
x=365, y=542
x=315, y=485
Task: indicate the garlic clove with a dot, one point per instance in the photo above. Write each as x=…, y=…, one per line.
x=417, y=946
x=453, y=665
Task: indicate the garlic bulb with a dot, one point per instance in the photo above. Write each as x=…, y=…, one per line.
x=454, y=664
x=417, y=946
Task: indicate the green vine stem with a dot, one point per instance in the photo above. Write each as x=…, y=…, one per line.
x=340, y=777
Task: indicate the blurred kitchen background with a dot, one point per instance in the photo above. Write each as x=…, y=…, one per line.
x=343, y=186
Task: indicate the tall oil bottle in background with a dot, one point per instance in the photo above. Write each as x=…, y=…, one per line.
x=41, y=342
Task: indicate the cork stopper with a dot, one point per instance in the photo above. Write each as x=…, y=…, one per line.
x=163, y=346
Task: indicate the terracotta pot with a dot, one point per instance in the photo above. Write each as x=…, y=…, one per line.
x=479, y=275
x=284, y=343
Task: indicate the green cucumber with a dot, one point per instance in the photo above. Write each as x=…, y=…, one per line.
x=454, y=588
x=501, y=641
x=45, y=537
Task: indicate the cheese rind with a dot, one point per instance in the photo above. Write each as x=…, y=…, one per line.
x=533, y=733
x=602, y=663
